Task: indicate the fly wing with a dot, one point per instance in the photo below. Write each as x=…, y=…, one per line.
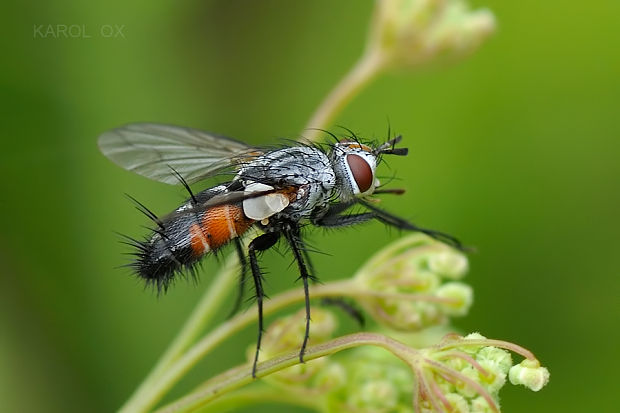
x=154, y=150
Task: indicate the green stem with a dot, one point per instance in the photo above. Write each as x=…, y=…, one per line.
x=257, y=395
x=490, y=343
x=366, y=68
x=242, y=375
x=159, y=387
x=203, y=313
x=345, y=288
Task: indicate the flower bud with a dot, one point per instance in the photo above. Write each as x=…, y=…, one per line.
x=481, y=405
x=407, y=33
x=500, y=359
x=494, y=379
x=449, y=264
x=458, y=403
x=530, y=374
x=460, y=296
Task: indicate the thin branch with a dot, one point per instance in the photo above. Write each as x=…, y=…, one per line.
x=242, y=375
x=366, y=68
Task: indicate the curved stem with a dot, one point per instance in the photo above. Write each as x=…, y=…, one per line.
x=183, y=364
x=367, y=67
x=492, y=343
x=198, y=320
x=242, y=375
x=158, y=387
x=259, y=394
x=379, y=258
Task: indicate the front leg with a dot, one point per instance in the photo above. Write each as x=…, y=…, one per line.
x=334, y=218
x=400, y=223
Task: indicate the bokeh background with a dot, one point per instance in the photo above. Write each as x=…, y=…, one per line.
x=515, y=150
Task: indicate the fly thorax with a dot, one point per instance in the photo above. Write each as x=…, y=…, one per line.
x=354, y=165
x=306, y=169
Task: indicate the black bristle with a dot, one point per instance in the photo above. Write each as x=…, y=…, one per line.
x=185, y=184
x=150, y=214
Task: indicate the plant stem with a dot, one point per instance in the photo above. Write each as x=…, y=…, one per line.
x=490, y=342
x=259, y=394
x=367, y=67
x=344, y=288
x=198, y=320
x=157, y=388
x=242, y=375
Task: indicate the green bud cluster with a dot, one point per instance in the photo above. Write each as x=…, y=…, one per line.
x=407, y=33
x=459, y=374
x=414, y=284
x=475, y=376
x=410, y=285
x=465, y=374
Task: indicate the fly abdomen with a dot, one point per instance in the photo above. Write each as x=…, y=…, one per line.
x=184, y=237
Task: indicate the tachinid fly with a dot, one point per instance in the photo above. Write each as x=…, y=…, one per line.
x=275, y=189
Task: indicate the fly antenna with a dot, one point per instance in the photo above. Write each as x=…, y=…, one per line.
x=389, y=149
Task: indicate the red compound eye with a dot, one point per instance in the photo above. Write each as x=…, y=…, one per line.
x=361, y=172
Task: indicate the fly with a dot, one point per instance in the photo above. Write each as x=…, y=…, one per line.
x=277, y=190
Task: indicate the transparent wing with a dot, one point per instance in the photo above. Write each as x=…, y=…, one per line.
x=152, y=149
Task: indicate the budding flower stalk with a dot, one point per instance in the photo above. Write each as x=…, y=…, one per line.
x=404, y=35
x=404, y=286
x=459, y=374
x=408, y=33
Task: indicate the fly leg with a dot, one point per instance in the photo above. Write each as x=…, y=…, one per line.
x=260, y=243
x=400, y=223
x=335, y=218
x=347, y=307
x=293, y=237
x=244, y=272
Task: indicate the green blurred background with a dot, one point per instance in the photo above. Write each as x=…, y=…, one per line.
x=515, y=150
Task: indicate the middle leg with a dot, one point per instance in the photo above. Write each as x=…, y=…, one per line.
x=293, y=237
x=260, y=243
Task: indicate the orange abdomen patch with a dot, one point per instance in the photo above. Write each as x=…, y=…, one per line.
x=218, y=226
